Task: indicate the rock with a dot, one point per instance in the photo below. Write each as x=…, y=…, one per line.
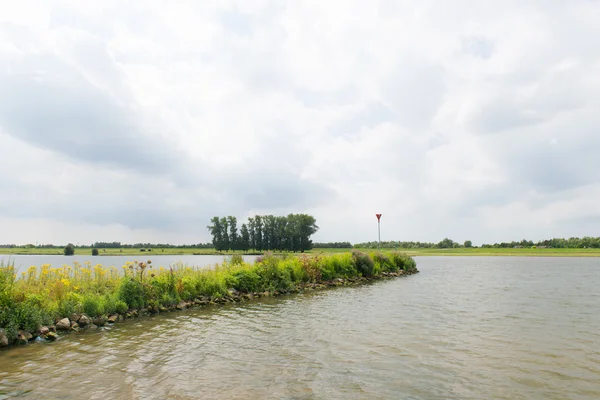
x=113, y=318
x=21, y=339
x=100, y=321
x=74, y=326
x=24, y=335
x=248, y=296
x=84, y=321
x=182, y=305
x=51, y=336
x=92, y=326
x=74, y=317
x=63, y=325
x=3, y=338
x=144, y=311
x=44, y=330
x=52, y=328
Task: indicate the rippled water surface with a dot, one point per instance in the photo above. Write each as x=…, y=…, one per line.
x=464, y=328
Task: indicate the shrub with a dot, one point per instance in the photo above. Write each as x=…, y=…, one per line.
x=94, y=251
x=236, y=259
x=384, y=262
x=404, y=262
x=272, y=275
x=70, y=304
x=132, y=293
x=93, y=305
x=69, y=249
x=246, y=280
x=363, y=263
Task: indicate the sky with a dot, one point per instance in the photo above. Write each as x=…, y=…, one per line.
x=138, y=121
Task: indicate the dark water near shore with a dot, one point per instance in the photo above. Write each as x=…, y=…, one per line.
x=464, y=328
x=24, y=261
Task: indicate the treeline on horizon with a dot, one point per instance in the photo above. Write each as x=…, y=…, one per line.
x=115, y=245
x=264, y=232
x=558, y=243
x=265, y=243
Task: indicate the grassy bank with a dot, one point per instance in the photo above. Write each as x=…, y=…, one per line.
x=42, y=296
x=484, y=252
x=512, y=252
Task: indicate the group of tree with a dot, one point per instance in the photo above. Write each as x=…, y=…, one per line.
x=332, y=245
x=263, y=232
x=557, y=243
x=443, y=244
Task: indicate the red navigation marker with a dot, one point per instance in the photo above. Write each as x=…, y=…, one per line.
x=378, y=216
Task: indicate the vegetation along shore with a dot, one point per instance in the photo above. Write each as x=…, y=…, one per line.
x=41, y=303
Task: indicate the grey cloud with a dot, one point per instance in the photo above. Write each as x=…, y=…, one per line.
x=372, y=114
x=478, y=46
x=414, y=92
x=52, y=106
x=528, y=98
x=236, y=22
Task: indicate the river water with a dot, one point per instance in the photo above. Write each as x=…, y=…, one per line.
x=24, y=261
x=464, y=328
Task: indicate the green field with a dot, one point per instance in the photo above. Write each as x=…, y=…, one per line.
x=532, y=252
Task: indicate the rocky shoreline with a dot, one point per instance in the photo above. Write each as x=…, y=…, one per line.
x=82, y=322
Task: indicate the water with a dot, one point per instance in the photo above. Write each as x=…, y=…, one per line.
x=22, y=262
x=464, y=328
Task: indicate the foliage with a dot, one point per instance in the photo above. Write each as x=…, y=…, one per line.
x=42, y=295
x=363, y=263
x=332, y=245
x=94, y=251
x=236, y=259
x=264, y=232
x=69, y=249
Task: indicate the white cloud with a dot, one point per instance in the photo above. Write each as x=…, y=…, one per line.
x=138, y=122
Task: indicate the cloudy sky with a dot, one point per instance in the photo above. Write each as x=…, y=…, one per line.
x=140, y=120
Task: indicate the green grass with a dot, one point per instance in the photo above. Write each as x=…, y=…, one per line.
x=544, y=252
x=523, y=252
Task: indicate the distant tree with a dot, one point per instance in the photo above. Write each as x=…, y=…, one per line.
x=252, y=232
x=225, y=227
x=94, y=251
x=216, y=230
x=244, y=238
x=233, y=233
x=69, y=249
x=468, y=243
x=258, y=232
x=446, y=244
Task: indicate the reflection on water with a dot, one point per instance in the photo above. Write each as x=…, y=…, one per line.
x=464, y=328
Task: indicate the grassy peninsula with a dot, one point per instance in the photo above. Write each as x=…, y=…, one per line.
x=37, y=302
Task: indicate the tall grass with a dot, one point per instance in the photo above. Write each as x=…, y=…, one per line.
x=40, y=296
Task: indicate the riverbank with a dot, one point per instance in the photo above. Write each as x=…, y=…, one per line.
x=473, y=251
x=44, y=301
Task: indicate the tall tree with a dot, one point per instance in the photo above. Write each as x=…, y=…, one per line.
x=216, y=230
x=225, y=225
x=252, y=232
x=258, y=232
x=244, y=238
x=233, y=233
x=281, y=232
x=270, y=238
